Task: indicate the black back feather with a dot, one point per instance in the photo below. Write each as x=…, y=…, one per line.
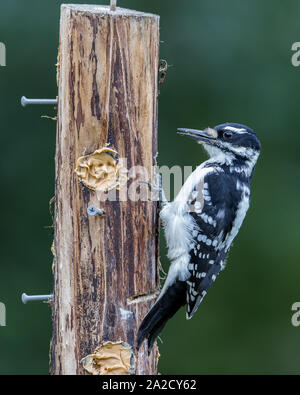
x=161, y=312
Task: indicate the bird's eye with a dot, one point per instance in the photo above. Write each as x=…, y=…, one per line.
x=227, y=135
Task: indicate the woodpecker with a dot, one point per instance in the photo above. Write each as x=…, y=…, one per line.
x=203, y=220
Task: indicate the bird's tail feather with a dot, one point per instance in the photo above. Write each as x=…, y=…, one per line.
x=165, y=307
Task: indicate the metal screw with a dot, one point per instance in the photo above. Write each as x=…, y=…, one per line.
x=92, y=211
x=113, y=5
x=25, y=101
x=30, y=298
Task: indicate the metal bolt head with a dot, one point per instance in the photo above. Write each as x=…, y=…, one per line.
x=25, y=101
x=92, y=211
x=30, y=298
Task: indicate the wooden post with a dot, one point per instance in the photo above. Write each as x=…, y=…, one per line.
x=105, y=268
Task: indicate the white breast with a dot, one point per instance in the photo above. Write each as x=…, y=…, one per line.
x=179, y=226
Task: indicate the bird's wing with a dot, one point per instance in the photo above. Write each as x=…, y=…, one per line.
x=213, y=214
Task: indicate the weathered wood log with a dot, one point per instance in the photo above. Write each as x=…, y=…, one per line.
x=106, y=268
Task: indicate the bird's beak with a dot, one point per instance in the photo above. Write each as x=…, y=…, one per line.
x=207, y=135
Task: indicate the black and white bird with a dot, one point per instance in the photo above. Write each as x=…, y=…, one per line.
x=202, y=222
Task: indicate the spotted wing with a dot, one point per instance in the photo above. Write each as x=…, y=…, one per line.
x=213, y=211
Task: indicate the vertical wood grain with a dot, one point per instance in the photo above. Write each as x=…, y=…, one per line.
x=108, y=63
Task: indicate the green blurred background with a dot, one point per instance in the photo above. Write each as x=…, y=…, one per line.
x=231, y=62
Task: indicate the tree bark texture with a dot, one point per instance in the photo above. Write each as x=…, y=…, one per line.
x=106, y=268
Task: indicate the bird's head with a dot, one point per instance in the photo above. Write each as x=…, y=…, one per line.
x=229, y=141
